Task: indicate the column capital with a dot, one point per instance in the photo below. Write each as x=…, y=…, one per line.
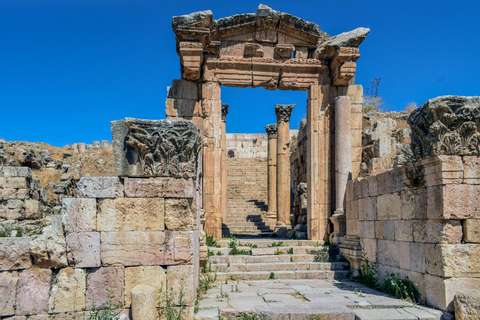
x=283, y=112
x=271, y=130
x=224, y=111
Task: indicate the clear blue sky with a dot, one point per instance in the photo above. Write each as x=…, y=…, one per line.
x=69, y=67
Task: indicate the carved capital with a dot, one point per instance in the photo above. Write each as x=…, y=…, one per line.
x=283, y=112
x=253, y=50
x=343, y=65
x=191, y=57
x=447, y=125
x=224, y=111
x=271, y=130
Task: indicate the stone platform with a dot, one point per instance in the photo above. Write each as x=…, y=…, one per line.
x=306, y=299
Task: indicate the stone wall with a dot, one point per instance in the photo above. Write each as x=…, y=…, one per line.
x=245, y=145
x=118, y=234
x=298, y=183
x=422, y=221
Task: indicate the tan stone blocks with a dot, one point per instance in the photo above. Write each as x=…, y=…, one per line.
x=389, y=253
x=471, y=230
x=153, y=276
x=33, y=291
x=79, y=215
x=362, y=186
x=131, y=214
x=367, y=208
x=417, y=257
x=180, y=214
x=100, y=282
x=404, y=254
x=384, y=183
x=471, y=170
x=15, y=253
x=352, y=227
x=372, y=186
x=369, y=246
x=181, y=278
x=421, y=203
x=355, y=92
x=8, y=290
x=389, y=207
x=453, y=260
x=184, y=242
x=437, y=231
x=163, y=187
x=407, y=203
x=32, y=209
x=83, y=249
x=388, y=229
x=183, y=108
x=134, y=248
x=68, y=291
x=441, y=292
x=100, y=187
x=453, y=201
x=352, y=212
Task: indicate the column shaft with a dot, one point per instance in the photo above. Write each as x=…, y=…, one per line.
x=272, y=170
x=224, y=164
x=343, y=153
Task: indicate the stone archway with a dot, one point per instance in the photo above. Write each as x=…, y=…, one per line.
x=276, y=51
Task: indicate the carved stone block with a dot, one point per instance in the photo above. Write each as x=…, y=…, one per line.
x=253, y=50
x=155, y=148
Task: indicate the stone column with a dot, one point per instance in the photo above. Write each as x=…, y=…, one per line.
x=283, y=112
x=224, y=164
x=143, y=303
x=272, y=170
x=343, y=160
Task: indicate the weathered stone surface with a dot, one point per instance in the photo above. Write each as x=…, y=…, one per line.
x=131, y=214
x=16, y=172
x=389, y=207
x=453, y=260
x=351, y=38
x=100, y=282
x=446, y=125
x=8, y=290
x=83, y=249
x=143, y=303
x=134, y=248
x=437, y=231
x=32, y=209
x=467, y=305
x=153, y=276
x=15, y=253
x=440, y=292
x=202, y=19
x=49, y=249
x=164, y=148
x=453, y=201
x=79, y=214
x=181, y=278
x=384, y=127
x=159, y=188
x=33, y=291
x=179, y=214
x=68, y=291
x=184, y=245
x=100, y=187
x=471, y=230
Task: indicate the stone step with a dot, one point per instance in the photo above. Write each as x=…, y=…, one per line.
x=267, y=251
x=279, y=266
x=265, y=243
x=225, y=258
x=297, y=274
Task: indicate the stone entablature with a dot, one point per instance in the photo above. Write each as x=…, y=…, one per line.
x=270, y=49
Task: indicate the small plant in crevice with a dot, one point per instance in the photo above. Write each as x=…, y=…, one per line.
x=111, y=309
x=276, y=244
x=234, y=251
x=401, y=288
x=169, y=309
x=368, y=273
x=247, y=316
x=211, y=242
x=271, y=276
x=210, y=253
x=290, y=251
x=248, y=244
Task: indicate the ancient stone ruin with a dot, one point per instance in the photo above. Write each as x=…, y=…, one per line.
x=369, y=196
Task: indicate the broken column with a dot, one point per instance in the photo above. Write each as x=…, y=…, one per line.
x=143, y=303
x=283, y=113
x=272, y=170
x=224, y=163
x=343, y=161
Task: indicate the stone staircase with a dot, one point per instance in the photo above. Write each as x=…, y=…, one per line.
x=291, y=260
x=247, y=198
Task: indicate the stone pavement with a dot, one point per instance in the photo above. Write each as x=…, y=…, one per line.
x=306, y=299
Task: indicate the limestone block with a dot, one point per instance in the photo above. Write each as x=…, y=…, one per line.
x=68, y=291
x=367, y=208
x=154, y=276
x=32, y=209
x=467, y=305
x=404, y=254
x=16, y=172
x=79, y=214
x=83, y=249
x=33, y=291
x=134, y=248
x=372, y=186
x=183, y=89
x=421, y=203
x=100, y=187
x=441, y=292
x=179, y=214
x=389, y=207
x=471, y=230
x=453, y=201
x=471, y=171
x=437, y=231
x=131, y=214
x=49, y=249
x=184, y=242
x=383, y=127
x=15, y=253
x=389, y=230
x=379, y=229
x=384, y=183
x=366, y=229
x=8, y=290
x=159, y=188
x=100, y=282
x=403, y=230
x=369, y=246
x=348, y=190
x=417, y=257
x=387, y=253
x=17, y=182
x=453, y=260
x=362, y=186
x=181, y=278
x=442, y=169
x=143, y=303
x=407, y=199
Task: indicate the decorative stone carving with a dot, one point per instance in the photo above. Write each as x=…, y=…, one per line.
x=344, y=66
x=253, y=50
x=155, y=148
x=447, y=125
x=266, y=24
x=283, y=112
x=191, y=57
x=224, y=111
x=284, y=50
x=271, y=129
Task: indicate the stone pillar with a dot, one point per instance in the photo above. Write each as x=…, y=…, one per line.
x=143, y=303
x=283, y=112
x=343, y=160
x=224, y=163
x=272, y=170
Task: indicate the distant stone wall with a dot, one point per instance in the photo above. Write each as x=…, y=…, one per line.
x=422, y=221
x=81, y=147
x=247, y=145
